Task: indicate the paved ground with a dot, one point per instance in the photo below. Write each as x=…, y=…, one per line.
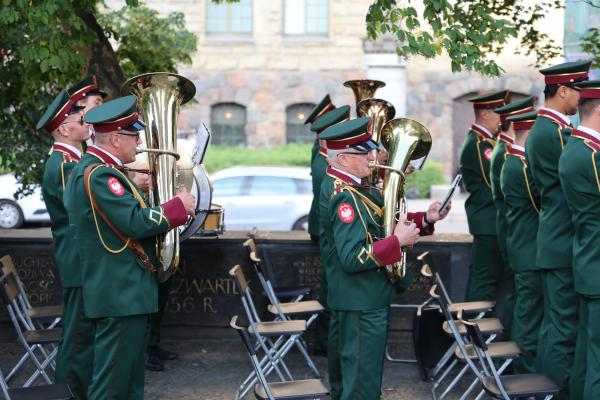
x=212, y=370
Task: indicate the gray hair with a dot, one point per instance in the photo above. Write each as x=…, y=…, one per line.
x=332, y=154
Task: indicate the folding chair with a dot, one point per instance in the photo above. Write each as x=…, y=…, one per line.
x=46, y=392
x=299, y=389
x=283, y=293
x=504, y=352
x=34, y=314
x=30, y=339
x=286, y=334
x=509, y=386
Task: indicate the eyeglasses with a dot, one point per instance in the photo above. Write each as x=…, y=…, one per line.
x=356, y=153
x=80, y=120
x=137, y=134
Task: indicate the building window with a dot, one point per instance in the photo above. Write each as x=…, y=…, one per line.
x=296, y=130
x=229, y=18
x=306, y=17
x=228, y=125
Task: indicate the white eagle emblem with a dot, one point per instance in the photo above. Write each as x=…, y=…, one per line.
x=346, y=213
x=488, y=153
x=115, y=186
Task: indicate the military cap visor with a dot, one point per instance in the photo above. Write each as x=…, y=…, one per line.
x=355, y=133
x=332, y=117
x=589, y=90
x=515, y=108
x=114, y=115
x=324, y=106
x=566, y=73
x=490, y=101
x=523, y=121
x=57, y=111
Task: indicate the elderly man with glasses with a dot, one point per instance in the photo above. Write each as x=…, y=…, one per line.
x=355, y=252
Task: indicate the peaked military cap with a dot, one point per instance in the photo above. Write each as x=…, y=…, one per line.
x=589, y=90
x=331, y=118
x=61, y=107
x=566, y=73
x=523, y=121
x=321, y=109
x=515, y=108
x=490, y=100
x=117, y=114
x=86, y=87
x=355, y=134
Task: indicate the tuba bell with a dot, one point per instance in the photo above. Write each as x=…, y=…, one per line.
x=380, y=111
x=405, y=140
x=364, y=88
x=159, y=97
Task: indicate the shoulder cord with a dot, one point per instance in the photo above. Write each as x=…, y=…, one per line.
x=485, y=178
x=535, y=207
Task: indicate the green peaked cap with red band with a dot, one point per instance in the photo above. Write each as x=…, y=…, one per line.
x=566, y=73
x=491, y=100
x=332, y=117
x=589, y=90
x=114, y=115
x=323, y=107
x=57, y=111
x=355, y=133
x=523, y=121
x=85, y=87
x=515, y=108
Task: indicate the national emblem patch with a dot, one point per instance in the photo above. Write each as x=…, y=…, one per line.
x=488, y=154
x=115, y=186
x=346, y=213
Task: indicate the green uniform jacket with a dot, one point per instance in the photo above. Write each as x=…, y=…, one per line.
x=318, y=167
x=544, y=145
x=115, y=281
x=498, y=157
x=475, y=157
x=353, y=255
x=579, y=176
x=522, y=211
x=58, y=167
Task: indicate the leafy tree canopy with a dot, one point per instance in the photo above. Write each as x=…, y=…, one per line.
x=47, y=46
x=471, y=32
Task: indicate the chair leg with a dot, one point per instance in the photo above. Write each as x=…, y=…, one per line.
x=454, y=381
x=482, y=393
x=41, y=368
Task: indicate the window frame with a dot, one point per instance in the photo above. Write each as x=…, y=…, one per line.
x=213, y=123
x=310, y=136
x=312, y=36
x=229, y=35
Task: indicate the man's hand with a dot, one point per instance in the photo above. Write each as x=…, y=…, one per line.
x=407, y=234
x=433, y=213
x=143, y=181
x=188, y=200
x=382, y=156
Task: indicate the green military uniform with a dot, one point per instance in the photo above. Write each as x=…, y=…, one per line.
x=320, y=121
x=546, y=140
x=119, y=289
x=75, y=349
x=498, y=156
x=486, y=267
x=579, y=177
x=522, y=213
x=359, y=292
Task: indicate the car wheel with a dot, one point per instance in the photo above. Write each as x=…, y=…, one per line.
x=11, y=215
x=301, y=224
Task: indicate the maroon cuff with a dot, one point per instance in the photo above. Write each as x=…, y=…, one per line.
x=387, y=250
x=175, y=212
x=419, y=219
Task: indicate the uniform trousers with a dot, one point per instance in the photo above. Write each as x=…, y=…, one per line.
x=509, y=302
x=75, y=354
x=486, y=268
x=356, y=353
x=323, y=318
x=528, y=317
x=559, y=330
x=164, y=288
x=585, y=377
x=119, y=357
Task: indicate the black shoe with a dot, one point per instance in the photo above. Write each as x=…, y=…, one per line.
x=153, y=363
x=162, y=353
x=319, y=352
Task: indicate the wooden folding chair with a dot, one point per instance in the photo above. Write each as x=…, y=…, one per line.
x=46, y=392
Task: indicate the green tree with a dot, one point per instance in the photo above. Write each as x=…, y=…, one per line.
x=45, y=46
x=471, y=32
x=590, y=44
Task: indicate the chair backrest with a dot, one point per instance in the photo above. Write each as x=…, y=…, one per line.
x=239, y=278
x=9, y=288
x=8, y=265
x=245, y=294
x=473, y=332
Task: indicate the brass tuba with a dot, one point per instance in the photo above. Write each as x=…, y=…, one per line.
x=159, y=97
x=364, y=88
x=405, y=140
x=380, y=111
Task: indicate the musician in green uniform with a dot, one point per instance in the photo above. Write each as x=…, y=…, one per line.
x=579, y=173
x=64, y=120
x=522, y=214
x=545, y=142
x=320, y=118
x=354, y=252
x=115, y=232
x=504, y=140
x=86, y=93
x=486, y=267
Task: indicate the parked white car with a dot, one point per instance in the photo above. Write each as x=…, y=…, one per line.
x=268, y=198
x=13, y=212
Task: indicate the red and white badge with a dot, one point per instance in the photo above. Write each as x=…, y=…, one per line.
x=488, y=154
x=346, y=213
x=115, y=186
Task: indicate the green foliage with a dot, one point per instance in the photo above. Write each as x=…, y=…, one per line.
x=221, y=157
x=431, y=174
x=471, y=32
x=143, y=50
x=591, y=45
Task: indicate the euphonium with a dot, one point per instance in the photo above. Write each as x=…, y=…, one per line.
x=363, y=88
x=159, y=96
x=380, y=112
x=405, y=140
